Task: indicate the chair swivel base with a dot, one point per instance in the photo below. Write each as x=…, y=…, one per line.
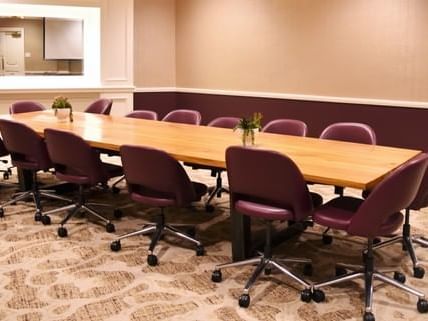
x=36, y=196
x=406, y=239
x=264, y=264
x=217, y=190
x=72, y=210
x=157, y=230
x=368, y=274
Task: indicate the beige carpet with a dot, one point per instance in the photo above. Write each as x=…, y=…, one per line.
x=44, y=277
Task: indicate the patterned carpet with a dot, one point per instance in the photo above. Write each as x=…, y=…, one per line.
x=44, y=277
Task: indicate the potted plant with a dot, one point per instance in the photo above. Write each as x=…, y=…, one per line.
x=62, y=108
x=247, y=126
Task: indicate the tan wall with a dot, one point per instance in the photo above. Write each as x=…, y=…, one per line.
x=348, y=48
x=154, y=43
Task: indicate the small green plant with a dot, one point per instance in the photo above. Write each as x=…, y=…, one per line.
x=248, y=126
x=61, y=102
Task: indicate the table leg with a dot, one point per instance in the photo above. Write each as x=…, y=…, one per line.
x=241, y=235
x=25, y=179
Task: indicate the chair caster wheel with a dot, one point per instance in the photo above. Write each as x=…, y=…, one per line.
x=318, y=296
x=307, y=269
x=115, y=246
x=6, y=175
x=152, y=260
x=340, y=271
x=422, y=306
x=268, y=271
x=327, y=239
x=110, y=228
x=1, y=212
x=209, y=208
x=399, y=277
x=117, y=213
x=216, y=276
x=368, y=316
x=200, y=251
x=306, y=295
x=46, y=220
x=38, y=217
x=62, y=231
x=115, y=190
x=244, y=301
x=418, y=272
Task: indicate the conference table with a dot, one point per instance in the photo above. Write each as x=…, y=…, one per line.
x=320, y=161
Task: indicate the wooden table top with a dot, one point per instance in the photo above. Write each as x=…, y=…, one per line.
x=321, y=161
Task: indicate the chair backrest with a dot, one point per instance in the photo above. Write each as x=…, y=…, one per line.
x=154, y=170
x=25, y=106
x=286, y=127
x=73, y=158
x=395, y=193
x=350, y=132
x=421, y=198
x=26, y=147
x=184, y=116
x=267, y=177
x=224, y=122
x=143, y=114
x=100, y=106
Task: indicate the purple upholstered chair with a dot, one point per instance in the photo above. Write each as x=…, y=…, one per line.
x=100, y=106
x=286, y=127
x=184, y=116
x=156, y=179
x=28, y=152
x=420, y=201
x=76, y=162
x=143, y=114
x=348, y=132
x=377, y=215
x=260, y=184
x=25, y=106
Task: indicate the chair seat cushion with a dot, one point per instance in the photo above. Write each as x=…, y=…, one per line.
x=200, y=190
x=316, y=199
x=263, y=211
x=338, y=213
x=108, y=171
x=155, y=198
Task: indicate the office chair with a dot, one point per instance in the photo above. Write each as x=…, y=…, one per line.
x=406, y=238
x=379, y=214
x=143, y=114
x=156, y=179
x=286, y=127
x=267, y=185
x=140, y=114
x=28, y=152
x=77, y=163
x=348, y=132
x=184, y=116
x=100, y=106
x=25, y=106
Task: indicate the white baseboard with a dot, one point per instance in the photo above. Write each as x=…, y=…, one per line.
x=261, y=94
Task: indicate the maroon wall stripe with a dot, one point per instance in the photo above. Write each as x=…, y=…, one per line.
x=394, y=126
